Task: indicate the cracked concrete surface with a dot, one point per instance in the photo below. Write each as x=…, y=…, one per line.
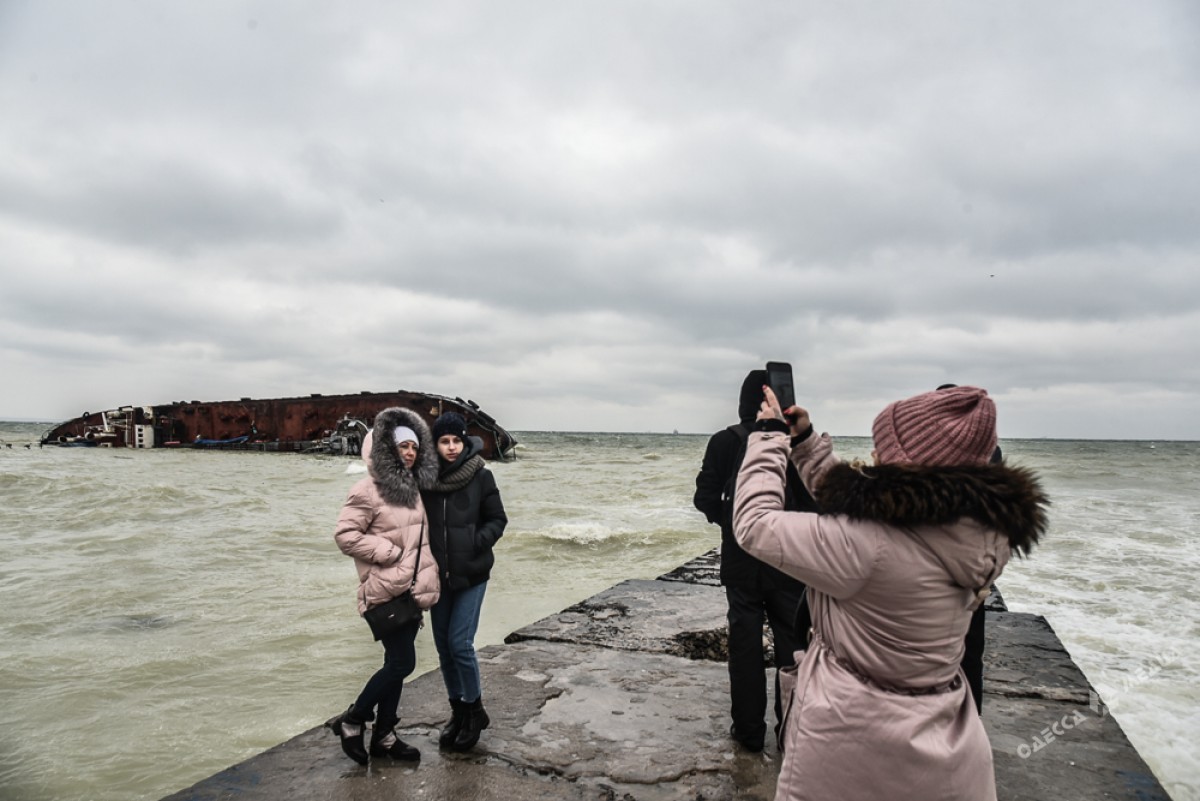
x=624, y=697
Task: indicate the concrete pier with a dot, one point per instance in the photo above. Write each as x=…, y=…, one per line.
x=623, y=697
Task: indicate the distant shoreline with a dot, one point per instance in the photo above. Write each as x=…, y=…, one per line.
x=30, y=420
x=1151, y=440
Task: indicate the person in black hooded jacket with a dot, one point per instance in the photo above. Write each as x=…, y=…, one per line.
x=466, y=518
x=753, y=589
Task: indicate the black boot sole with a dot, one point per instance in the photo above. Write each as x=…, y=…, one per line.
x=411, y=755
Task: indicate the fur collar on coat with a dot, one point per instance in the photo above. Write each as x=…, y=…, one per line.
x=1006, y=499
x=397, y=484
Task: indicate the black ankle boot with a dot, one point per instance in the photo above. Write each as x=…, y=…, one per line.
x=458, y=711
x=387, y=744
x=350, y=728
x=475, y=720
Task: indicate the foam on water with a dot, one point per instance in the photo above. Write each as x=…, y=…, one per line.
x=1115, y=579
x=583, y=533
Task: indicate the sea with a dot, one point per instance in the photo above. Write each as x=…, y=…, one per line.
x=167, y=613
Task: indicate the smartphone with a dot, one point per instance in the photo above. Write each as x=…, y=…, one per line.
x=779, y=379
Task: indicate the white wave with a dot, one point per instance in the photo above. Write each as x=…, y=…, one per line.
x=585, y=533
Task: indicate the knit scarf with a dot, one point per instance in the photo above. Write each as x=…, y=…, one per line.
x=458, y=477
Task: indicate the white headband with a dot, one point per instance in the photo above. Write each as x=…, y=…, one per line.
x=406, y=434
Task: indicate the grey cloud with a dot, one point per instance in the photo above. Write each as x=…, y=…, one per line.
x=176, y=204
x=610, y=203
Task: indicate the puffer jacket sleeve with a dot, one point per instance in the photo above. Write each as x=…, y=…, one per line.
x=492, y=518
x=827, y=552
x=354, y=523
x=380, y=583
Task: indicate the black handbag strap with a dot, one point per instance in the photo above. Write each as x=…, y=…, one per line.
x=417, y=566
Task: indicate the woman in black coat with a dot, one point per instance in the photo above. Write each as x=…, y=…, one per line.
x=466, y=518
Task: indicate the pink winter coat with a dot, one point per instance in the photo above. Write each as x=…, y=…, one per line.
x=383, y=537
x=880, y=707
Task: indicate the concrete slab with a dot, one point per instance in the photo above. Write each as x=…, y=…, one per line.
x=666, y=617
x=568, y=721
x=1046, y=749
x=1051, y=738
x=704, y=569
x=623, y=697
x=1025, y=659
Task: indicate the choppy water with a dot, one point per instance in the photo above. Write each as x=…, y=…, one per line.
x=164, y=614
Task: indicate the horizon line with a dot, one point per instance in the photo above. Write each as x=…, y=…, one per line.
x=30, y=420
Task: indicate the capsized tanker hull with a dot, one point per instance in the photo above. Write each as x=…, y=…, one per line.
x=332, y=424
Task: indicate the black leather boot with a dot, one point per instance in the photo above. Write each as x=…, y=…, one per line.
x=475, y=720
x=385, y=743
x=350, y=728
x=458, y=711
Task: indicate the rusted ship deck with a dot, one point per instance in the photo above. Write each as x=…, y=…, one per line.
x=316, y=423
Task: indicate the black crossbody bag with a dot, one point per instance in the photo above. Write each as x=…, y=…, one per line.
x=393, y=615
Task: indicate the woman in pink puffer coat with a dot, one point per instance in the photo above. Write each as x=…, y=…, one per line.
x=896, y=561
x=384, y=528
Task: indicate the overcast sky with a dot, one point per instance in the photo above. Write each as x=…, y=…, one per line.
x=599, y=215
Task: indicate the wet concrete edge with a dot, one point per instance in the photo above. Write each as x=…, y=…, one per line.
x=622, y=697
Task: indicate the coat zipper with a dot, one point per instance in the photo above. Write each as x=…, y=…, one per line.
x=446, y=534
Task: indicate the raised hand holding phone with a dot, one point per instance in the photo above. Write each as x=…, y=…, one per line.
x=770, y=406
x=779, y=378
x=795, y=416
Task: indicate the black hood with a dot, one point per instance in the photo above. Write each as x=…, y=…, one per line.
x=751, y=398
x=398, y=484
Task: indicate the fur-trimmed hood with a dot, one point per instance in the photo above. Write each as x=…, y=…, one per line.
x=1009, y=500
x=398, y=484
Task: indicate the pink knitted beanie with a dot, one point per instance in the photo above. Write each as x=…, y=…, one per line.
x=945, y=427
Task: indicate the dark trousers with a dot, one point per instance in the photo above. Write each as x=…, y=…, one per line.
x=384, y=688
x=747, y=688
x=972, y=661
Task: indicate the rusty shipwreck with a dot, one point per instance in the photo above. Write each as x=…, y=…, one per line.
x=333, y=424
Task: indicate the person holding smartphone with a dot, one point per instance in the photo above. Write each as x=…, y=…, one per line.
x=901, y=554
x=754, y=591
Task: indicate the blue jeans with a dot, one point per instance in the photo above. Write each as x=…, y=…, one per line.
x=455, y=618
x=384, y=688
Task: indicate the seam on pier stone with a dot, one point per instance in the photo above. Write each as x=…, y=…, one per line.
x=1047, y=694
